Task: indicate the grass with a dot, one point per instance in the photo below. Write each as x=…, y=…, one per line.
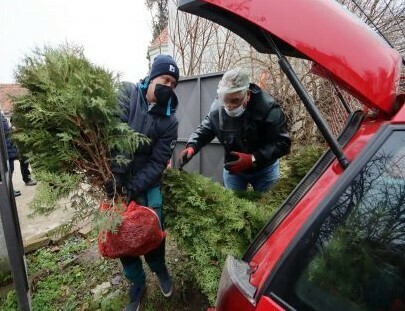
x=72, y=276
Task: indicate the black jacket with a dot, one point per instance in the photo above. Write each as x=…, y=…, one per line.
x=148, y=163
x=260, y=131
x=11, y=148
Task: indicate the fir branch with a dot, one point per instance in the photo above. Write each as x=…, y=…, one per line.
x=67, y=124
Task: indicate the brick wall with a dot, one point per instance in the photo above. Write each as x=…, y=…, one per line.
x=7, y=90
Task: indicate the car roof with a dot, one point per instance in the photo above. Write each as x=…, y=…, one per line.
x=343, y=47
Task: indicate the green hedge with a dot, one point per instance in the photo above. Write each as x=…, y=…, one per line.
x=209, y=222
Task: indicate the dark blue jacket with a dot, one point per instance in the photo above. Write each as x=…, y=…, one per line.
x=11, y=148
x=150, y=160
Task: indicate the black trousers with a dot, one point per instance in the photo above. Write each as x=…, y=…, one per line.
x=11, y=165
x=25, y=172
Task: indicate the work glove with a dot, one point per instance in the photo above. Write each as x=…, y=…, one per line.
x=243, y=161
x=113, y=187
x=185, y=156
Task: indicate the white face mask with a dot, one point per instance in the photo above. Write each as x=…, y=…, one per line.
x=235, y=112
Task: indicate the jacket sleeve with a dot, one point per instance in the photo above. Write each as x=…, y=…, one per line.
x=161, y=154
x=205, y=132
x=124, y=98
x=124, y=93
x=278, y=140
x=202, y=135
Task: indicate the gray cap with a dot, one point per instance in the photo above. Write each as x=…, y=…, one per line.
x=233, y=80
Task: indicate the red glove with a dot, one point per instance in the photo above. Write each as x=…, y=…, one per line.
x=185, y=156
x=243, y=162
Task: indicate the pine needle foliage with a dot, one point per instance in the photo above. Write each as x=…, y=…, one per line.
x=67, y=125
x=209, y=222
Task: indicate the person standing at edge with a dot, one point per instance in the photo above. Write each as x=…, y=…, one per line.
x=11, y=148
x=148, y=108
x=24, y=165
x=252, y=129
x=25, y=172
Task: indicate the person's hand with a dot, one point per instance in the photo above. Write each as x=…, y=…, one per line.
x=185, y=156
x=113, y=187
x=242, y=162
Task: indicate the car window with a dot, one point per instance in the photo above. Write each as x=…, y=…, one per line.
x=355, y=260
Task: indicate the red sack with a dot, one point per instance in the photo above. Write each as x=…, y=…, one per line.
x=137, y=235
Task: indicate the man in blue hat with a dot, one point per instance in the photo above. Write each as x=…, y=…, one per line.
x=148, y=108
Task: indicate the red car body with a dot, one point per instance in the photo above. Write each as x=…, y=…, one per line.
x=346, y=51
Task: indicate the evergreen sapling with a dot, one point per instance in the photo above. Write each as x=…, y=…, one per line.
x=67, y=124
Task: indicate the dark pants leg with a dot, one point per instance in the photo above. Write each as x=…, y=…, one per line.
x=25, y=171
x=156, y=258
x=133, y=268
x=11, y=165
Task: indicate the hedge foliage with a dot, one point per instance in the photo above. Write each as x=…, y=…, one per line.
x=210, y=222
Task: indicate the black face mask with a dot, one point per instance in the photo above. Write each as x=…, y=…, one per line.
x=163, y=94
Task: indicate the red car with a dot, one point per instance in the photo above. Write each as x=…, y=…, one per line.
x=338, y=241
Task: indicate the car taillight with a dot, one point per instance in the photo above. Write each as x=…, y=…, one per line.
x=234, y=287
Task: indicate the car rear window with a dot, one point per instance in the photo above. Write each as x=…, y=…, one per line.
x=355, y=260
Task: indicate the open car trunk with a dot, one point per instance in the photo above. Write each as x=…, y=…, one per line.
x=352, y=55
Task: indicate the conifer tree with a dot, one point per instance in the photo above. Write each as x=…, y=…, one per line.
x=67, y=124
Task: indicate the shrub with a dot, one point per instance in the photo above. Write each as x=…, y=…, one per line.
x=209, y=222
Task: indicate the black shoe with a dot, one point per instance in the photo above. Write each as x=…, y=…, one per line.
x=17, y=193
x=165, y=283
x=135, y=293
x=31, y=183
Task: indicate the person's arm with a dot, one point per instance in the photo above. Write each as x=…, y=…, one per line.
x=202, y=135
x=117, y=181
x=124, y=94
x=152, y=170
x=205, y=132
x=277, y=137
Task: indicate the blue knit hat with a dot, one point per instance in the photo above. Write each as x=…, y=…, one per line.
x=164, y=65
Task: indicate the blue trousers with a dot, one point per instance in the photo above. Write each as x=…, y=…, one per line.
x=133, y=268
x=261, y=180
